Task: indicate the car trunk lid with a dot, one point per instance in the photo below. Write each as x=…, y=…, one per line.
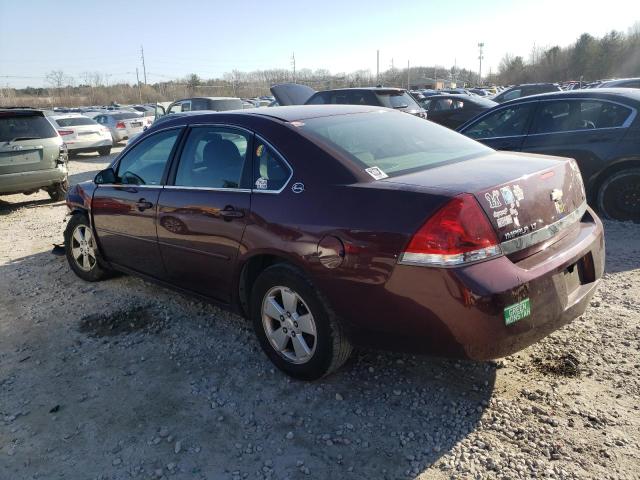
x=519, y=193
x=292, y=93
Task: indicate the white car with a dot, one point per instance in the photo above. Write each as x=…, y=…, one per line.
x=82, y=134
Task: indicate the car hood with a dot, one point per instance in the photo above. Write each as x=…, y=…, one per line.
x=291, y=93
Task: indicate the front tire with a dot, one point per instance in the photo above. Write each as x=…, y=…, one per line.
x=82, y=251
x=295, y=326
x=619, y=196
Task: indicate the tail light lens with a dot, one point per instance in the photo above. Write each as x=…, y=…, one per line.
x=457, y=234
x=120, y=125
x=65, y=132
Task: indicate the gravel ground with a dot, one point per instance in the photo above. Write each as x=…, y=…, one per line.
x=123, y=379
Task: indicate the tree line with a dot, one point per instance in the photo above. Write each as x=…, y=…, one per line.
x=614, y=55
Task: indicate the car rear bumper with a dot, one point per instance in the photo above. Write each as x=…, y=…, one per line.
x=88, y=146
x=460, y=312
x=28, y=181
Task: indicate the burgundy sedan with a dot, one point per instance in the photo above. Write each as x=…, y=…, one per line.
x=330, y=226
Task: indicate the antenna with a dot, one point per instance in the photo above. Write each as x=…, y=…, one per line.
x=144, y=68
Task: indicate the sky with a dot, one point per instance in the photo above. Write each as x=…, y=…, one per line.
x=212, y=37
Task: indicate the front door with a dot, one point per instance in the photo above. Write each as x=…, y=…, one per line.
x=503, y=128
x=124, y=213
x=202, y=214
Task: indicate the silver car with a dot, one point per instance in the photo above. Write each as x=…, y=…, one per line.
x=32, y=154
x=122, y=125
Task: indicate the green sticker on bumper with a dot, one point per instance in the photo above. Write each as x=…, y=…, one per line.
x=517, y=311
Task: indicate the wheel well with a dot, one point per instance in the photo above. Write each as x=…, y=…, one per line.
x=250, y=271
x=607, y=172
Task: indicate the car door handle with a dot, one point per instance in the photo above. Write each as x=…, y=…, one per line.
x=230, y=213
x=142, y=204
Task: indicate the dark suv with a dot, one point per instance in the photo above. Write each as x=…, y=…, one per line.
x=396, y=98
x=32, y=154
x=525, y=90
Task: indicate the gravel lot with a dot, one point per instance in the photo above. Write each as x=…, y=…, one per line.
x=123, y=379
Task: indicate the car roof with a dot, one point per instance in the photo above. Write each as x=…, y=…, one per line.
x=374, y=89
x=611, y=93
x=207, y=98
x=287, y=114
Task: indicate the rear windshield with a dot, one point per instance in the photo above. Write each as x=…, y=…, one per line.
x=72, y=122
x=124, y=116
x=222, y=105
x=18, y=127
x=397, y=100
x=395, y=143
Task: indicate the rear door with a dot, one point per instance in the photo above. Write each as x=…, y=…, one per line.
x=203, y=213
x=26, y=142
x=124, y=213
x=587, y=130
x=503, y=128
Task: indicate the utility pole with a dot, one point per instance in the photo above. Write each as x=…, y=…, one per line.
x=139, y=91
x=391, y=63
x=144, y=68
x=480, y=57
x=293, y=62
x=377, y=67
x=408, y=75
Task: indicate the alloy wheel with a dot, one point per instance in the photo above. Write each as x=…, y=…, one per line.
x=83, y=248
x=289, y=325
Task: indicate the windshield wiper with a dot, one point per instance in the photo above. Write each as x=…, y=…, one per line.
x=401, y=106
x=22, y=138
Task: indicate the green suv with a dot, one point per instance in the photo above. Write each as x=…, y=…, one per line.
x=32, y=154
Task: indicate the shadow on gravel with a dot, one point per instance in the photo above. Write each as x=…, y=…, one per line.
x=9, y=207
x=127, y=320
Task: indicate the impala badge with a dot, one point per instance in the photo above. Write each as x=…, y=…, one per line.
x=297, y=187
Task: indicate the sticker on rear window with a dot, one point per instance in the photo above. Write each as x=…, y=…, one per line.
x=517, y=312
x=376, y=173
x=493, y=198
x=262, y=183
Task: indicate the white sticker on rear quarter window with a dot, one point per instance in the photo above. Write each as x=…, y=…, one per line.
x=376, y=173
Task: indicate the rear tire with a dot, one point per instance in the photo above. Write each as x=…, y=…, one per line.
x=619, y=196
x=59, y=191
x=295, y=326
x=82, y=251
x=104, y=151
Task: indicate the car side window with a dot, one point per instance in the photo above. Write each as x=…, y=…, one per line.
x=319, y=99
x=270, y=172
x=213, y=157
x=176, y=108
x=506, y=122
x=572, y=115
x=144, y=164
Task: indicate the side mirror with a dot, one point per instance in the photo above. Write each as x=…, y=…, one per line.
x=106, y=176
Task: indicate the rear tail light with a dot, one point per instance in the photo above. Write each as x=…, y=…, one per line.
x=120, y=125
x=457, y=234
x=65, y=132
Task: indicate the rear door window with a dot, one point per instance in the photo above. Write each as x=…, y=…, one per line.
x=214, y=157
x=506, y=122
x=397, y=100
x=572, y=115
x=145, y=163
x=16, y=127
x=270, y=171
x=517, y=93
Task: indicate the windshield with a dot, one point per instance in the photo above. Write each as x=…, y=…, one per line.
x=25, y=127
x=395, y=143
x=398, y=100
x=72, y=122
